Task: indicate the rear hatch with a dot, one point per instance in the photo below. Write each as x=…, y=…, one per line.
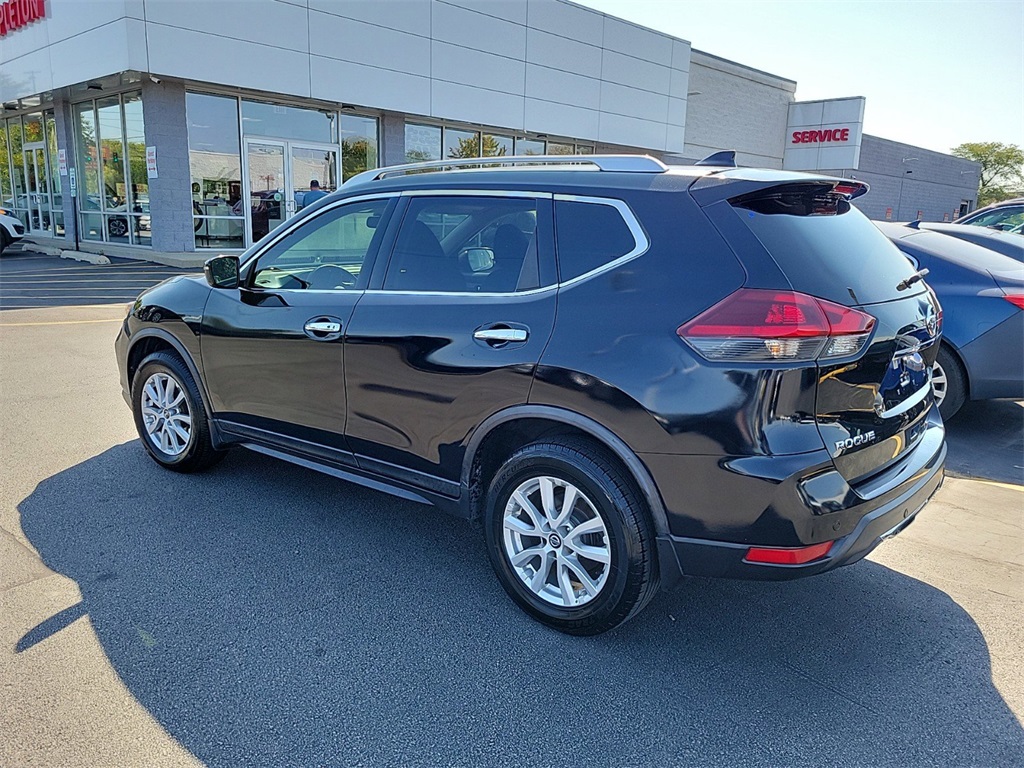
x=870, y=407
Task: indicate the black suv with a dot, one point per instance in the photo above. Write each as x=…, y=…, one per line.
x=626, y=372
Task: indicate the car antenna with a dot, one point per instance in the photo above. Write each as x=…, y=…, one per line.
x=727, y=158
x=915, y=224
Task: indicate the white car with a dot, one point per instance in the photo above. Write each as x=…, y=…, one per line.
x=11, y=229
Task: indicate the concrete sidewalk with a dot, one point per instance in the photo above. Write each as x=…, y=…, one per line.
x=101, y=253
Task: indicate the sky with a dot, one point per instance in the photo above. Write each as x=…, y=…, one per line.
x=936, y=73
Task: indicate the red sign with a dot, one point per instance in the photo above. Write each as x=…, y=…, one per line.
x=888, y=214
x=826, y=136
x=15, y=14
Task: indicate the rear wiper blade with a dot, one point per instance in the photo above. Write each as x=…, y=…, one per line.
x=914, y=278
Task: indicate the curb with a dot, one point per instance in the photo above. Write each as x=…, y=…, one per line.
x=88, y=258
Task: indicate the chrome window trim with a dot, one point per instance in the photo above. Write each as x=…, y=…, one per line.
x=641, y=243
x=258, y=249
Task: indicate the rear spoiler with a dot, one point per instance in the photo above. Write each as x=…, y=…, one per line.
x=744, y=182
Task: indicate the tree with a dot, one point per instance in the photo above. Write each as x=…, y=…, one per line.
x=470, y=147
x=1002, y=168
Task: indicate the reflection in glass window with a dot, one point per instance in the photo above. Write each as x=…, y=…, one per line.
x=5, y=165
x=55, y=179
x=112, y=175
x=584, y=149
x=422, y=143
x=296, y=123
x=460, y=244
x=529, y=147
x=215, y=163
x=461, y=144
x=326, y=253
x=555, y=148
x=497, y=146
x=358, y=145
x=88, y=154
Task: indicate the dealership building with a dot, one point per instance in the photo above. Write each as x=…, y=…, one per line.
x=196, y=126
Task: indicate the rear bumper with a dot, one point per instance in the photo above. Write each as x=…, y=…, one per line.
x=880, y=518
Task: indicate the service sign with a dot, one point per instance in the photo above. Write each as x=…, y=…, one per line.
x=824, y=135
x=151, y=171
x=15, y=14
x=62, y=161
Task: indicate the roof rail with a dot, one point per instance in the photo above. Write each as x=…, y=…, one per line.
x=619, y=163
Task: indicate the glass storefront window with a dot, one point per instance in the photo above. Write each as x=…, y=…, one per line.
x=215, y=162
x=19, y=194
x=497, y=146
x=422, y=143
x=259, y=119
x=50, y=129
x=113, y=185
x=529, y=147
x=584, y=149
x=556, y=148
x=358, y=145
x=460, y=144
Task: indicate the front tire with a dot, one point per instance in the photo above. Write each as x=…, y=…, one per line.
x=569, y=537
x=169, y=415
x=949, y=383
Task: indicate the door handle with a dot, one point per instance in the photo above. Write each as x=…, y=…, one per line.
x=501, y=335
x=322, y=326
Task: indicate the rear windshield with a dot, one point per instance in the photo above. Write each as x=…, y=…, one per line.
x=829, y=250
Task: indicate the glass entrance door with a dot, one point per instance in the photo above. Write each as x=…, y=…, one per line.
x=280, y=176
x=38, y=190
x=267, y=191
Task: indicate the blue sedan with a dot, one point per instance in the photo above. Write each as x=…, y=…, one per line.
x=982, y=297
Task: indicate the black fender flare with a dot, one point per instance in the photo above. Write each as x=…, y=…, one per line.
x=159, y=333
x=641, y=475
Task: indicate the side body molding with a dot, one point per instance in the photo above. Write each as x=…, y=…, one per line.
x=600, y=433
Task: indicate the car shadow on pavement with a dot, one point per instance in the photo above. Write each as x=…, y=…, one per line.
x=986, y=440
x=269, y=615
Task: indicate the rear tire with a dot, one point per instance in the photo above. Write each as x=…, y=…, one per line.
x=579, y=554
x=949, y=383
x=169, y=415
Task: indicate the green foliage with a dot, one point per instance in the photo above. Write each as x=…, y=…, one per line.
x=470, y=147
x=1002, y=169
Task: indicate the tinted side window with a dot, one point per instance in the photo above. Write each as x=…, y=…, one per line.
x=466, y=244
x=1005, y=218
x=326, y=252
x=588, y=236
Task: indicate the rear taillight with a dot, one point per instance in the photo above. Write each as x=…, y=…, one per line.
x=1017, y=300
x=759, y=325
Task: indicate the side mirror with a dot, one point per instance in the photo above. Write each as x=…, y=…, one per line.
x=478, y=259
x=222, y=271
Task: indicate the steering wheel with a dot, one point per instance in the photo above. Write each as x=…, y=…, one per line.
x=330, y=277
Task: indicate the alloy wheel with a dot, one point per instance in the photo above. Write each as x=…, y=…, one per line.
x=556, y=541
x=939, y=383
x=166, y=415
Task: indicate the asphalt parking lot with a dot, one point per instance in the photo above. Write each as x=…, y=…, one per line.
x=263, y=614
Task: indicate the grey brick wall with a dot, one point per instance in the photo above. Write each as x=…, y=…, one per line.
x=170, y=195
x=936, y=185
x=736, y=107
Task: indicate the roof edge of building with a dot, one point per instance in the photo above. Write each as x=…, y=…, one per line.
x=694, y=52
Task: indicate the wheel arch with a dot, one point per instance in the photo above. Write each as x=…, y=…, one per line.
x=149, y=340
x=530, y=422
x=958, y=356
